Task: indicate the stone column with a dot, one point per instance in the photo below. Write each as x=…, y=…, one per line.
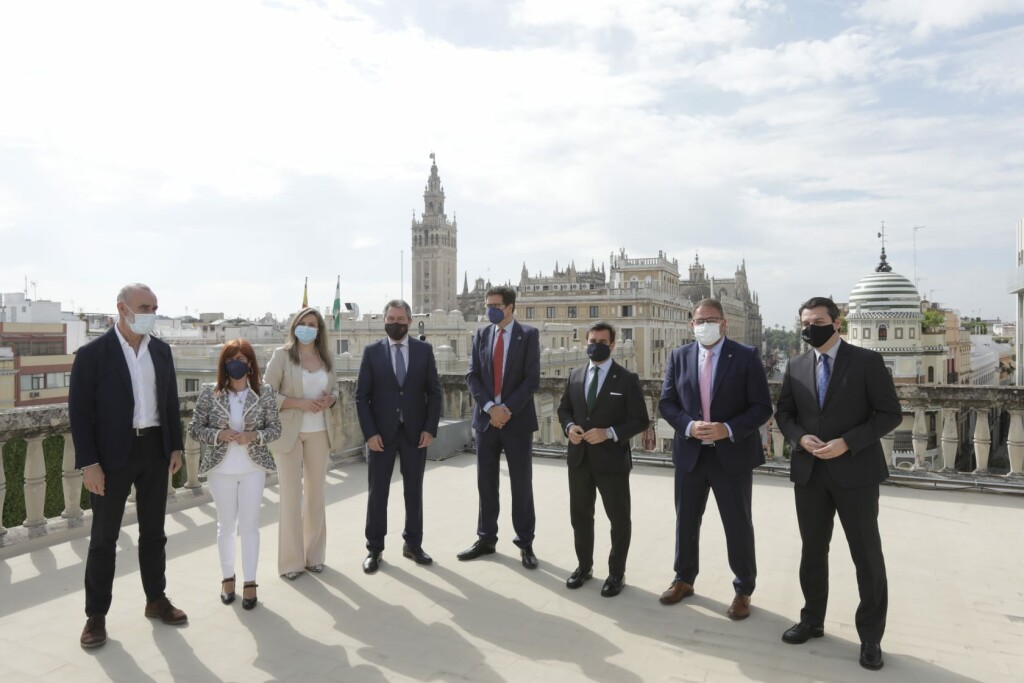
x=35, y=483
x=778, y=440
x=191, y=457
x=3, y=488
x=1015, y=443
x=982, y=440
x=888, y=443
x=920, y=438
x=71, y=481
x=950, y=439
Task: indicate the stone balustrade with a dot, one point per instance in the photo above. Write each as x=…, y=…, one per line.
x=968, y=421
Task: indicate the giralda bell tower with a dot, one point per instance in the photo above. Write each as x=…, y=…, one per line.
x=433, y=251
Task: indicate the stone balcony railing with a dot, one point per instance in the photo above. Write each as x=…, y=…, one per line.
x=963, y=426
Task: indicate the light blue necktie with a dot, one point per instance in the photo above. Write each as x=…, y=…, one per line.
x=399, y=364
x=823, y=376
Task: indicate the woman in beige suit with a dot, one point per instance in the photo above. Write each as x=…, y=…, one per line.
x=302, y=374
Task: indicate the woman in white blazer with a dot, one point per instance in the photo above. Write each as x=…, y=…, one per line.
x=233, y=422
x=302, y=374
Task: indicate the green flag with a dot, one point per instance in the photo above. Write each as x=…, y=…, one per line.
x=337, y=305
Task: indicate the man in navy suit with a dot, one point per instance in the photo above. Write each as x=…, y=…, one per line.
x=503, y=375
x=126, y=427
x=837, y=402
x=602, y=408
x=398, y=399
x=716, y=397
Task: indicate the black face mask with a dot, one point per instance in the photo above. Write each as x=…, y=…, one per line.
x=396, y=331
x=817, y=335
x=599, y=353
x=236, y=369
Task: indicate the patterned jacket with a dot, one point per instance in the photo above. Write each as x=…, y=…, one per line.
x=212, y=414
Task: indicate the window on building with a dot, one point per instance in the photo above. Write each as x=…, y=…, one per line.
x=38, y=382
x=883, y=332
x=913, y=332
x=898, y=332
x=191, y=385
x=54, y=380
x=529, y=313
x=853, y=332
x=626, y=333
x=931, y=375
x=454, y=343
x=572, y=312
x=888, y=366
x=595, y=312
x=867, y=333
x=627, y=311
x=342, y=346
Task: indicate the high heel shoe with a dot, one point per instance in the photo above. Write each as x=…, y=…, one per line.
x=249, y=603
x=227, y=596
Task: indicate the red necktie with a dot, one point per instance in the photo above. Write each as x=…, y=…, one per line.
x=499, y=361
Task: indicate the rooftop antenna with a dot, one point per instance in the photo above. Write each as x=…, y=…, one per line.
x=916, y=228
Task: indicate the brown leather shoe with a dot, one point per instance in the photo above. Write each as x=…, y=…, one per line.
x=95, y=632
x=676, y=592
x=740, y=607
x=163, y=610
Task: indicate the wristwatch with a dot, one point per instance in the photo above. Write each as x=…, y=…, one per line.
x=609, y=434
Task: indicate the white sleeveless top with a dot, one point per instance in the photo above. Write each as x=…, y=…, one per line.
x=313, y=386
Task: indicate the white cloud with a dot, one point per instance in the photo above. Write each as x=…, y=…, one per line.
x=929, y=16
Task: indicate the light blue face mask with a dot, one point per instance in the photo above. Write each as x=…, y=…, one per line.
x=305, y=335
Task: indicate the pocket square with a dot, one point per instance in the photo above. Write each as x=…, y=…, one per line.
x=614, y=393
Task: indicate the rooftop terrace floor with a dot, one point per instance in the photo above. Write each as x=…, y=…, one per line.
x=956, y=610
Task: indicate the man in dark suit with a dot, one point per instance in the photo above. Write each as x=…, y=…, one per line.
x=126, y=427
x=836, y=404
x=398, y=399
x=601, y=409
x=503, y=375
x=716, y=397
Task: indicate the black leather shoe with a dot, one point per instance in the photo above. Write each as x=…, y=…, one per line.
x=871, y=656
x=372, y=562
x=613, y=585
x=227, y=596
x=529, y=559
x=476, y=550
x=578, y=578
x=416, y=554
x=802, y=632
x=249, y=602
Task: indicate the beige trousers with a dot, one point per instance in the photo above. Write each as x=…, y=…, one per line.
x=302, y=475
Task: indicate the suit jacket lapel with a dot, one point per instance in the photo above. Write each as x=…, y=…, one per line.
x=838, y=368
x=251, y=399
x=120, y=363
x=803, y=372
x=724, y=364
x=693, y=364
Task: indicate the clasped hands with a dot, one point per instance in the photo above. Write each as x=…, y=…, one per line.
x=821, y=449
x=708, y=431
x=594, y=435
x=500, y=415
x=316, y=405
x=231, y=436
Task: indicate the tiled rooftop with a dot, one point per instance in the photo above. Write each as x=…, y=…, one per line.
x=956, y=611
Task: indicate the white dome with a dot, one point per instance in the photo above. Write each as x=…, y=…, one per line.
x=885, y=290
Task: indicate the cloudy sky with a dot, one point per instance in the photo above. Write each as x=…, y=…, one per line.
x=223, y=151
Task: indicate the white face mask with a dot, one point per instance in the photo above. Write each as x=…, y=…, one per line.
x=707, y=334
x=143, y=323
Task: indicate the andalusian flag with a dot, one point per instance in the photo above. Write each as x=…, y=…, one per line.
x=337, y=305
x=305, y=294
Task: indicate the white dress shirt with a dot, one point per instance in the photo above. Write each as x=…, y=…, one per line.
x=140, y=367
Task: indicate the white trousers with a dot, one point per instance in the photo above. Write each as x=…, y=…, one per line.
x=237, y=498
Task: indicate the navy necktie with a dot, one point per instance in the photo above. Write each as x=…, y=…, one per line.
x=399, y=364
x=823, y=376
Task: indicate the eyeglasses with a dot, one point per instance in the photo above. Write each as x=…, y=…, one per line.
x=701, y=321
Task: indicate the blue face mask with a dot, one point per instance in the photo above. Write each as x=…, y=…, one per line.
x=305, y=335
x=236, y=369
x=495, y=315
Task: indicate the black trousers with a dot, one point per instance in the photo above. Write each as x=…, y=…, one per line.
x=733, y=494
x=147, y=470
x=584, y=483
x=816, y=505
x=380, y=467
x=518, y=447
